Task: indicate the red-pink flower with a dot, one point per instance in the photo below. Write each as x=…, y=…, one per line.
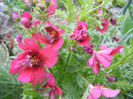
x=37, y=22
x=54, y=88
x=104, y=57
x=52, y=38
x=15, y=15
x=96, y=91
x=105, y=24
x=52, y=7
x=99, y=11
x=117, y=38
x=111, y=78
x=29, y=64
x=113, y=20
x=80, y=34
x=26, y=19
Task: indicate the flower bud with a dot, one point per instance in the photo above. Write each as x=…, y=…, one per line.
x=19, y=38
x=113, y=20
x=111, y=78
x=88, y=49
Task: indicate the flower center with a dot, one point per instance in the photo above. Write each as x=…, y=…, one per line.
x=52, y=33
x=35, y=60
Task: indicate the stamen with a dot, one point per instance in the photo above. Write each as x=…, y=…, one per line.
x=35, y=60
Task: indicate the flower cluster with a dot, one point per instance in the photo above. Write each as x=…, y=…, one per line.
x=34, y=64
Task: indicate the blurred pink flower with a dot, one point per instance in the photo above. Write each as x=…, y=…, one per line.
x=19, y=38
x=117, y=38
x=37, y=22
x=111, y=78
x=104, y=57
x=99, y=11
x=113, y=20
x=80, y=34
x=105, y=24
x=96, y=91
x=88, y=49
x=51, y=84
x=52, y=7
x=26, y=19
x=15, y=15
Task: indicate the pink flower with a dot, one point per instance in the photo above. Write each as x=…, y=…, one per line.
x=88, y=49
x=117, y=38
x=26, y=19
x=113, y=20
x=54, y=88
x=96, y=91
x=63, y=21
x=73, y=48
x=111, y=78
x=80, y=34
x=27, y=1
x=52, y=7
x=15, y=15
x=19, y=38
x=29, y=64
x=99, y=11
x=36, y=22
x=52, y=38
x=105, y=24
x=104, y=57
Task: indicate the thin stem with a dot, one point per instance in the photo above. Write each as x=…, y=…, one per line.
x=40, y=25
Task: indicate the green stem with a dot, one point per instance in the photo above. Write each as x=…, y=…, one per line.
x=40, y=25
x=119, y=62
x=90, y=11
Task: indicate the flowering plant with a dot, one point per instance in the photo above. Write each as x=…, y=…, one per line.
x=64, y=51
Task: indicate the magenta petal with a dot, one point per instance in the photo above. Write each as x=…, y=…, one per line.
x=116, y=50
x=90, y=61
x=57, y=90
x=30, y=44
x=17, y=63
x=106, y=92
x=32, y=75
x=96, y=67
x=56, y=45
x=85, y=42
x=104, y=46
x=94, y=93
x=51, y=80
x=103, y=60
x=49, y=56
x=40, y=38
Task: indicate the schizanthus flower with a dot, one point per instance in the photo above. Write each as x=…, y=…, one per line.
x=29, y=64
x=52, y=38
x=104, y=57
x=96, y=91
x=15, y=15
x=80, y=34
x=105, y=24
x=51, y=84
x=26, y=19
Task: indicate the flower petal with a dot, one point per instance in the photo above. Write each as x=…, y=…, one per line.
x=32, y=75
x=49, y=56
x=103, y=59
x=107, y=92
x=17, y=63
x=85, y=42
x=29, y=44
